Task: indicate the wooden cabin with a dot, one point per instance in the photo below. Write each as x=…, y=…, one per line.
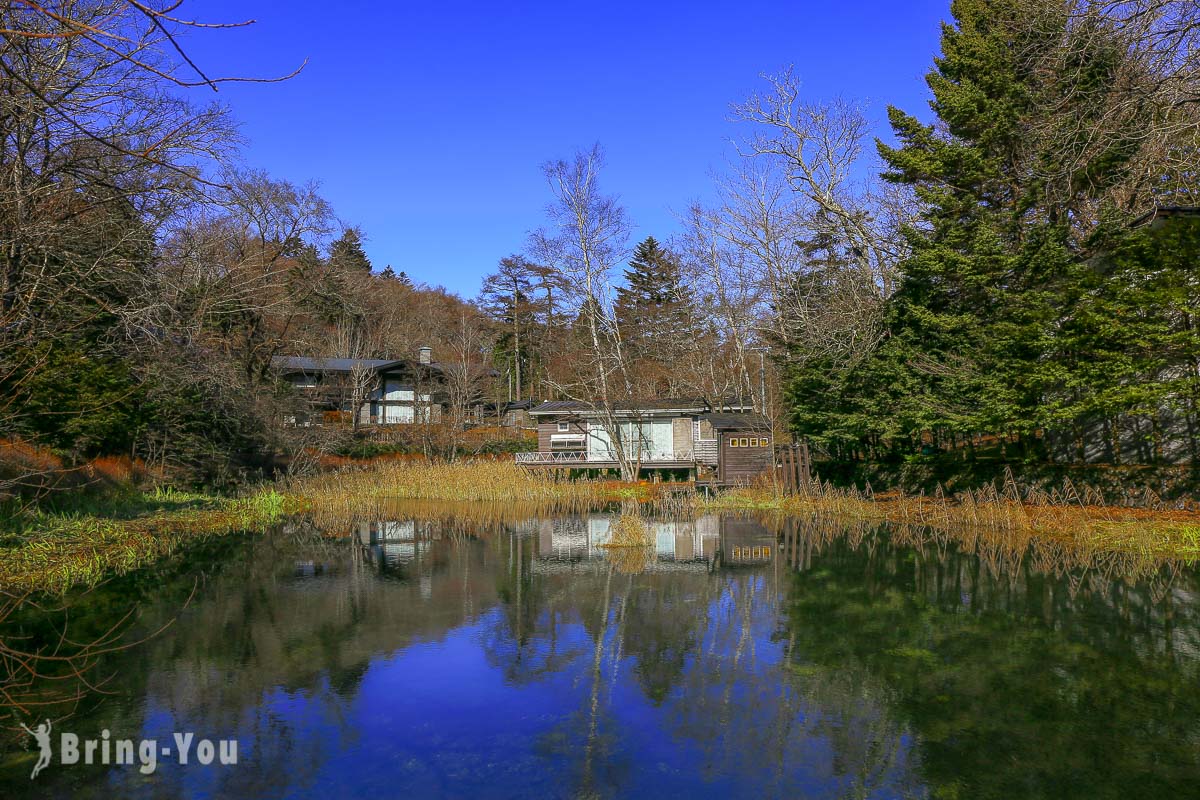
x=683, y=438
x=392, y=391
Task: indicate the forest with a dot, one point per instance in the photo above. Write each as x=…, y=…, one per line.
x=1016, y=265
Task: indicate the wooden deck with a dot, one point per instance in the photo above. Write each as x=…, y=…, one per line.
x=581, y=461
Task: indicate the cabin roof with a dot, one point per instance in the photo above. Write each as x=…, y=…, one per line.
x=687, y=405
x=738, y=422
x=1166, y=211
x=690, y=406
x=309, y=364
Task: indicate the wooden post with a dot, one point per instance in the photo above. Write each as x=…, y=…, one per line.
x=805, y=471
x=789, y=487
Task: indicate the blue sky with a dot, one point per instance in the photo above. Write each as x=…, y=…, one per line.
x=426, y=123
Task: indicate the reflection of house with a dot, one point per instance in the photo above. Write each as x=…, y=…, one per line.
x=565, y=540
x=745, y=542
x=387, y=391
x=727, y=446
x=400, y=545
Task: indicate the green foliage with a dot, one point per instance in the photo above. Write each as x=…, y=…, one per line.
x=347, y=252
x=1013, y=316
x=654, y=311
x=81, y=401
x=654, y=303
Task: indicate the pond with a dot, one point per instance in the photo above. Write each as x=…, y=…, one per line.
x=735, y=657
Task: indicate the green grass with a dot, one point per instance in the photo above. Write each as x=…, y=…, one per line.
x=79, y=541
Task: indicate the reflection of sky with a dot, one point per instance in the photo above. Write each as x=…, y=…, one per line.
x=461, y=710
x=437, y=719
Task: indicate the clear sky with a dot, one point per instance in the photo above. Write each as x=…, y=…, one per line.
x=426, y=123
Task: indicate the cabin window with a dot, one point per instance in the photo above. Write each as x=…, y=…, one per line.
x=765, y=442
x=733, y=442
x=563, y=427
x=745, y=441
x=754, y=442
x=702, y=431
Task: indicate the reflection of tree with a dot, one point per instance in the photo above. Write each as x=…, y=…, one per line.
x=661, y=632
x=589, y=739
x=1016, y=683
x=278, y=619
x=523, y=639
x=782, y=730
x=876, y=669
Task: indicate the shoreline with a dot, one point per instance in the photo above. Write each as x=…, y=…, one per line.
x=54, y=551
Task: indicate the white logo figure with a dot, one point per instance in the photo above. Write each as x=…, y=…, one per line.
x=42, y=735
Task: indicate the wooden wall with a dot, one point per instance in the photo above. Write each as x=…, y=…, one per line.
x=547, y=428
x=743, y=464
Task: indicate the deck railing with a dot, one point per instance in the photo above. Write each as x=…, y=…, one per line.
x=551, y=458
x=585, y=458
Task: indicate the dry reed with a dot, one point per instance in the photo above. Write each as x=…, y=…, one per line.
x=1066, y=515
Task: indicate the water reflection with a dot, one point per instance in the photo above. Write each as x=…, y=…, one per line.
x=520, y=657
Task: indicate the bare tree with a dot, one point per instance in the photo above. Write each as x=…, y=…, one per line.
x=818, y=146
x=466, y=374
x=586, y=239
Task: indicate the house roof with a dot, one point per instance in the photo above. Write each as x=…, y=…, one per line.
x=306, y=364
x=689, y=405
x=1166, y=211
x=738, y=422
x=309, y=364
x=634, y=406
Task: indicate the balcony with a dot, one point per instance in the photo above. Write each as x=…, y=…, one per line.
x=575, y=457
x=551, y=458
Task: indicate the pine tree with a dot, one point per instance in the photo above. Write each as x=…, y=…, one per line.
x=347, y=252
x=654, y=312
x=992, y=271
x=505, y=297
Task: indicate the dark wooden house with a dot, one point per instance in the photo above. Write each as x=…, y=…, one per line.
x=723, y=446
x=386, y=391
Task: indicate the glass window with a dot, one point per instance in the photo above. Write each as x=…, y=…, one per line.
x=563, y=427
x=733, y=442
x=745, y=442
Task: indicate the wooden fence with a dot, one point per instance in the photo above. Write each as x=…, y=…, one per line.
x=793, y=467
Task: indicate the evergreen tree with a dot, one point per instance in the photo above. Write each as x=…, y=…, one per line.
x=654, y=312
x=505, y=297
x=347, y=252
x=998, y=266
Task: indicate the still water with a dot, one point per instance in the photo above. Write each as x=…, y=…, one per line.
x=734, y=658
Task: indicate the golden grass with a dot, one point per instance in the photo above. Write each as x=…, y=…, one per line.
x=476, y=481
x=631, y=542
x=1064, y=516
x=57, y=551
x=630, y=530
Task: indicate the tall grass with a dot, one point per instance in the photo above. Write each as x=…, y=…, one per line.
x=482, y=481
x=1065, y=514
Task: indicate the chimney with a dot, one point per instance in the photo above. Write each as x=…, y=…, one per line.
x=425, y=355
